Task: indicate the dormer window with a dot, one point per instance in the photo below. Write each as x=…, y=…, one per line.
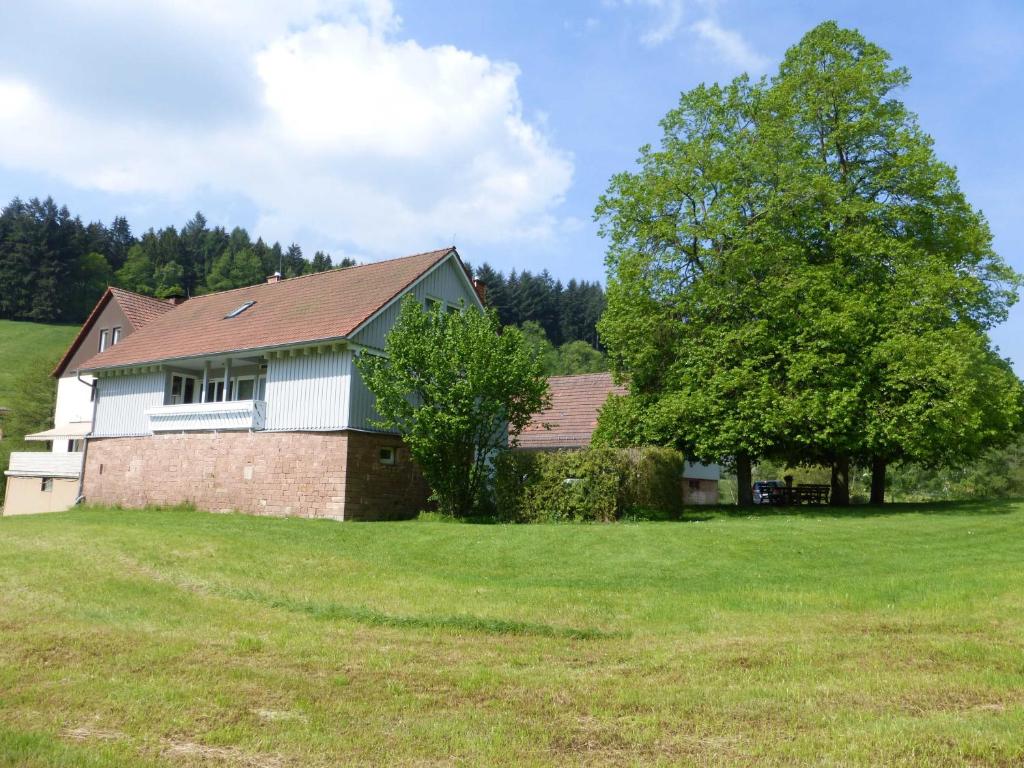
x=240, y=310
x=115, y=335
x=104, y=337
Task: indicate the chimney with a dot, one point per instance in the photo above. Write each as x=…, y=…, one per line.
x=274, y=278
x=481, y=290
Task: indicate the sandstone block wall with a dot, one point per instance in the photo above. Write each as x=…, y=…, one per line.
x=307, y=474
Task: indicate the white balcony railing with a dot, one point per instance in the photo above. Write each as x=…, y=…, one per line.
x=218, y=416
x=45, y=464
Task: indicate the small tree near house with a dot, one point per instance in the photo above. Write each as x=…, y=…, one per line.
x=457, y=387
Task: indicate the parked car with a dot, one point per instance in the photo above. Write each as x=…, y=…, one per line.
x=762, y=490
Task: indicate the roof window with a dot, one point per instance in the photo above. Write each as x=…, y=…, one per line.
x=240, y=310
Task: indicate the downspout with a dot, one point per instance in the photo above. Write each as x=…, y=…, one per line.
x=85, y=440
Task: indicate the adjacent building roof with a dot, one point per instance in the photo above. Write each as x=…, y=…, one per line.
x=138, y=309
x=572, y=417
x=310, y=308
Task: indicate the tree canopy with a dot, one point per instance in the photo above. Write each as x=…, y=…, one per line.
x=794, y=274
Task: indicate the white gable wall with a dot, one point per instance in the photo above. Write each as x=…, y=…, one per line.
x=445, y=282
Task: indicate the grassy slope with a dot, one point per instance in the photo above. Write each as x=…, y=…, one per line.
x=182, y=638
x=24, y=342
x=25, y=347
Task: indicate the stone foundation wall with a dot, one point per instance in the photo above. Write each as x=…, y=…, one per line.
x=305, y=474
x=377, y=491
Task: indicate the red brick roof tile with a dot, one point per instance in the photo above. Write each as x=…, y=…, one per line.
x=575, y=403
x=321, y=306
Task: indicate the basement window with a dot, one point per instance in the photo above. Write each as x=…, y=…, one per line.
x=47, y=485
x=387, y=455
x=240, y=310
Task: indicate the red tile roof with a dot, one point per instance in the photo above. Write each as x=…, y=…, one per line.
x=572, y=417
x=138, y=309
x=317, y=307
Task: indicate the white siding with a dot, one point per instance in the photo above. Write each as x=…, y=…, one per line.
x=45, y=464
x=308, y=392
x=362, y=412
x=444, y=283
x=122, y=402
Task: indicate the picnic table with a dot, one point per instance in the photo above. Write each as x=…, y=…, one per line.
x=805, y=493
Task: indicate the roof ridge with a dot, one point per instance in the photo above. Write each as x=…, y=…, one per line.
x=445, y=250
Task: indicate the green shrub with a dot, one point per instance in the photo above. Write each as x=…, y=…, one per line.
x=599, y=483
x=653, y=482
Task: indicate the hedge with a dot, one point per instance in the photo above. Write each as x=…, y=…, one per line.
x=598, y=483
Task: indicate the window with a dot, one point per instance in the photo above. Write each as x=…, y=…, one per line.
x=215, y=391
x=240, y=310
x=47, y=485
x=115, y=336
x=694, y=485
x=104, y=336
x=430, y=303
x=387, y=455
x=261, y=388
x=75, y=446
x=452, y=309
x=244, y=388
x=183, y=389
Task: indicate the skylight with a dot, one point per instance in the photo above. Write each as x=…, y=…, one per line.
x=240, y=310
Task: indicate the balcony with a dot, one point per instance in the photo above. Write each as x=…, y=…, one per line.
x=220, y=416
x=45, y=464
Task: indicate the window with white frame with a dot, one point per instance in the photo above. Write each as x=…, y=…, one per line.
x=387, y=455
x=184, y=389
x=46, y=486
x=115, y=335
x=104, y=338
x=245, y=388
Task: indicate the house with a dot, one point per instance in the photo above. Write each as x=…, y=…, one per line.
x=49, y=481
x=570, y=421
x=249, y=399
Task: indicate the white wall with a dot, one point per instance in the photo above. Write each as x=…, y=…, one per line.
x=122, y=402
x=74, y=400
x=308, y=391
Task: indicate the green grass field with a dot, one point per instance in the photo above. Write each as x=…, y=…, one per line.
x=183, y=638
x=21, y=344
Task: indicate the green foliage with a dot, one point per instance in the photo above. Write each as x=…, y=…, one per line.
x=793, y=274
x=566, y=313
x=456, y=387
x=599, y=483
x=571, y=358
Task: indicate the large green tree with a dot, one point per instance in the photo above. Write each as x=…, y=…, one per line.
x=456, y=386
x=773, y=262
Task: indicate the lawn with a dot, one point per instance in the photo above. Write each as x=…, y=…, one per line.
x=177, y=637
x=22, y=344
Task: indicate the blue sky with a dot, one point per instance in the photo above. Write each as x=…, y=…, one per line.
x=375, y=128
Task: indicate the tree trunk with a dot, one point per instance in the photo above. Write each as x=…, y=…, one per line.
x=840, y=495
x=878, y=467
x=744, y=481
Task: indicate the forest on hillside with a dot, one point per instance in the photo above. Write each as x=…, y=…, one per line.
x=54, y=267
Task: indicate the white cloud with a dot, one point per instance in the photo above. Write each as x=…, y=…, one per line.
x=669, y=21
x=730, y=45
x=346, y=130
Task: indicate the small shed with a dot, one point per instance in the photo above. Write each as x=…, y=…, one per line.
x=570, y=422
